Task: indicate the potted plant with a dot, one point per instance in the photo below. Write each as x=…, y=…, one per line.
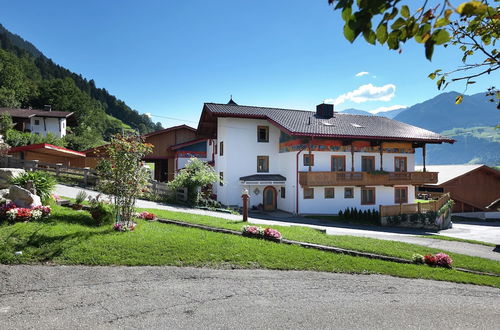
x=80, y=197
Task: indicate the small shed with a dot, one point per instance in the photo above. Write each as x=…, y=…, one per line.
x=472, y=187
x=48, y=153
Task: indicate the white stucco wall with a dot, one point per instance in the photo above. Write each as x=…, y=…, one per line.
x=56, y=126
x=240, y=159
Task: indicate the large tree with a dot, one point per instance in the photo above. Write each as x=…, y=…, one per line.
x=472, y=26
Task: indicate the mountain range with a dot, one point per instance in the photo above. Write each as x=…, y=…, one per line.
x=471, y=123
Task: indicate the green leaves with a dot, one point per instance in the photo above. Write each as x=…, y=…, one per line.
x=429, y=49
x=370, y=36
x=405, y=11
x=472, y=8
x=440, y=36
x=382, y=34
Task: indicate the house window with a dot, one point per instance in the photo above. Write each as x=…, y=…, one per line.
x=262, y=133
x=367, y=196
x=367, y=163
x=221, y=176
x=37, y=122
x=329, y=192
x=215, y=148
x=308, y=193
x=400, y=195
x=221, y=148
x=308, y=160
x=262, y=163
x=400, y=164
x=283, y=192
x=348, y=192
x=338, y=163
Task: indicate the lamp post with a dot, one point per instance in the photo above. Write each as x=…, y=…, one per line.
x=244, y=197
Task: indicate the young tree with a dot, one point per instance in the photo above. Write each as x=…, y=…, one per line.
x=123, y=174
x=195, y=175
x=473, y=26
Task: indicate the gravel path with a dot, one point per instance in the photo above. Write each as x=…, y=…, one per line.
x=69, y=297
x=465, y=230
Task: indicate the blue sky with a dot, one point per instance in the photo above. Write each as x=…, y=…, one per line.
x=169, y=57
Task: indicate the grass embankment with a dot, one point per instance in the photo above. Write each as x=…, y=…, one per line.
x=69, y=238
x=371, y=245
x=449, y=238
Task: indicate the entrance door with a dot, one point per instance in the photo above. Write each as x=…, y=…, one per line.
x=270, y=198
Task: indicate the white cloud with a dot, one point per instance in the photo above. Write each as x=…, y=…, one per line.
x=148, y=114
x=362, y=73
x=389, y=108
x=366, y=93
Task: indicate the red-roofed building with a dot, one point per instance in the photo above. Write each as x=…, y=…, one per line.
x=48, y=153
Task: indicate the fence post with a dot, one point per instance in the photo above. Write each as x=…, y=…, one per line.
x=419, y=208
x=58, y=169
x=155, y=187
x=35, y=165
x=400, y=208
x=85, y=176
x=9, y=157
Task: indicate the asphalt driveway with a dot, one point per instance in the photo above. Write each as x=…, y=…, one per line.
x=77, y=297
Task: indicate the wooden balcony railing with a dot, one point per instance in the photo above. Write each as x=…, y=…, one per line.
x=314, y=179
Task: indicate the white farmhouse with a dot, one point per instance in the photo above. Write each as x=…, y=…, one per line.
x=308, y=162
x=39, y=122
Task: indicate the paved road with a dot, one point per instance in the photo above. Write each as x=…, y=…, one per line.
x=491, y=232
x=69, y=297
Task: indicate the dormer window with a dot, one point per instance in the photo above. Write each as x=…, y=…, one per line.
x=262, y=133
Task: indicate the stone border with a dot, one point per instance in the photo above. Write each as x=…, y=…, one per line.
x=314, y=246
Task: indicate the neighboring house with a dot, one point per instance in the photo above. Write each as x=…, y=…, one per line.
x=163, y=157
x=48, y=153
x=39, y=121
x=187, y=150
x=472, y=187
x=312, y=162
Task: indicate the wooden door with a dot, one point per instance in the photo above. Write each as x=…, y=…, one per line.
x=270, y=196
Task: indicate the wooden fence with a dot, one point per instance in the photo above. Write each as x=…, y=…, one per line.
x=86, y=175
x=392, y=210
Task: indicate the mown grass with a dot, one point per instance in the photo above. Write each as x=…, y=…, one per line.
x=70, y=237
x=449, y=238
x=372, y=245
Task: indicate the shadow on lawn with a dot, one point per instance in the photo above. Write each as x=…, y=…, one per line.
x=47, y=247
x=73, y=217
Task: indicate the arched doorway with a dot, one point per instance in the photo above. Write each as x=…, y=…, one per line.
x=269, y=198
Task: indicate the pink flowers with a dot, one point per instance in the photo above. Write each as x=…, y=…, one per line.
x=269, y=232
x=261, y=232
x=121, y=226
x=146, y=216
x=440, y=259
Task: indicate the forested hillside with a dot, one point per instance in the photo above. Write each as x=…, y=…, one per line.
x=28, y=78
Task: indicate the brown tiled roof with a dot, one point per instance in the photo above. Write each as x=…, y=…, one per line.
x=28, y=113
x=305, y=123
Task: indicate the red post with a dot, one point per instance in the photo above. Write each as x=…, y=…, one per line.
x=244, y=197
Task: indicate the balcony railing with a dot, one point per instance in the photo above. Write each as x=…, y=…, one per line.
x=314, y=179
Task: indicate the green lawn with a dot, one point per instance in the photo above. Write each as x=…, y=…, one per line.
x=372, y=245
x=69, y=237
x=449, y=238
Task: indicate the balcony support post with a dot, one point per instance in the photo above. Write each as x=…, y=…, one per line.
x=381, y=157
x=423, y=157
x=310, y=157
x=352, y=157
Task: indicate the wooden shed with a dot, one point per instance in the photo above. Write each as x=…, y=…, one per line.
x=472, y=187
x=48, y=153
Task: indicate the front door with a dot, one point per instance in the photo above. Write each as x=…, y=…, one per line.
x=269, y=199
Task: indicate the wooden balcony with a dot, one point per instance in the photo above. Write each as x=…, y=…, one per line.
x=314, y=179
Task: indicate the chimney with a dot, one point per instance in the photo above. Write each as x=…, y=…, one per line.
x=324, y=111
x=47, y=107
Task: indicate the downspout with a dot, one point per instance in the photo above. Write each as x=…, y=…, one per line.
x=297, y=181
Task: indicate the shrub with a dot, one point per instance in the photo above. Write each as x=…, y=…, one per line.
x=261, y=232
x=443, y=260
x=12, y=213
x=100, y=211
x=80, y=197
x=43, y=182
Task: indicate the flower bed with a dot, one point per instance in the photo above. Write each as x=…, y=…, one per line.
x=122, y=227
x=439, y=259
x=267, y=233
x=146, y=216
x=12, y=213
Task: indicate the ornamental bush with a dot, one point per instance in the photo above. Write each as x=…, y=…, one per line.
x=43, y=183
x=12, y=213
x=123, y=175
